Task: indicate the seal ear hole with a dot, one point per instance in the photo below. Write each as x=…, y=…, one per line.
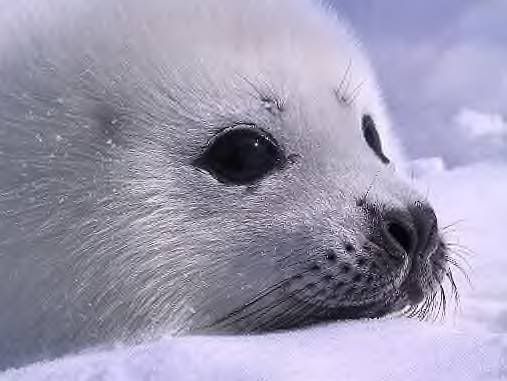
x=372, y=137
x=241, y=155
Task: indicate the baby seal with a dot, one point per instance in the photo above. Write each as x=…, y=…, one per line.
x=196, y=166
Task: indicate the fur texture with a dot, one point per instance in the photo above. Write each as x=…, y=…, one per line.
x=107, y=232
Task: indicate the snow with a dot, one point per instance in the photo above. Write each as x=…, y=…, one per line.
x=470, y=344
x=379, y=350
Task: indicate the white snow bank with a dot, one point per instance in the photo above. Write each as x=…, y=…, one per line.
x=470, y=346
x=376, y=350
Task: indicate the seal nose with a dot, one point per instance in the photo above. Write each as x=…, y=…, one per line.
x=402, y=234
x=411, y=231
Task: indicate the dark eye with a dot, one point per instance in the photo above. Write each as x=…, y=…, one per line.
x=372, y=137
x=241, y=155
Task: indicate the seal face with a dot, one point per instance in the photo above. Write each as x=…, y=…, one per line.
x=179, y=168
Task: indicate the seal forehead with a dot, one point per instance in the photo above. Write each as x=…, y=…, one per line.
x=273, y=46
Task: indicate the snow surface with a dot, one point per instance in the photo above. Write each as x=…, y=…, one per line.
x=471, y=344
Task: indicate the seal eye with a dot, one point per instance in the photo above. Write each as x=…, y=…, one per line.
x=372, y=137
x=241, y=155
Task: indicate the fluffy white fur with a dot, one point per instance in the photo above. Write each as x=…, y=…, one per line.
x=107, y=232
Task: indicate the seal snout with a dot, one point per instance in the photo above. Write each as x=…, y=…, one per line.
x=413, y=229
x=411, y=235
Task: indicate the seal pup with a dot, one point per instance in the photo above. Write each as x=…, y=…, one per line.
x=190, y=166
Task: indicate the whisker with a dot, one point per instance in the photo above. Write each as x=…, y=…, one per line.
x=344, y=85
x=462, y=271
x=240, y=309
x=263, y=311
x=452, y=224
x=462, y=250
x=355, y=93
x=443, y=301
x=460, y=258
x=286, y=315
x=370, y=187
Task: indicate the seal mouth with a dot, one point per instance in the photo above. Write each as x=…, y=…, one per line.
x=429, y=254
x=305, y=316
x=288, y=306
x=413, y=291
x=327, y=315
x=422, y=293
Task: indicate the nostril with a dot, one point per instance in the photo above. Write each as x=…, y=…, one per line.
x=402, y=235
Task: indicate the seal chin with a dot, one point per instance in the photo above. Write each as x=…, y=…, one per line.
x=328, y=315
x=317, y=315
x=312, y=315
x=314, y=298
x=416, y=294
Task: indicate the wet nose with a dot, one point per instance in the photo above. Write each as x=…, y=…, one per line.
x=400, y=231
x=412, y=228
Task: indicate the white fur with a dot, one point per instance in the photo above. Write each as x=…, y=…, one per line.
x=107, y=233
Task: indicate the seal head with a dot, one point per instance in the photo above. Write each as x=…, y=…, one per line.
x=196, y=166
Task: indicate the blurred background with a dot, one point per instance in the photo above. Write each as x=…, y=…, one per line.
x=442, y=65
